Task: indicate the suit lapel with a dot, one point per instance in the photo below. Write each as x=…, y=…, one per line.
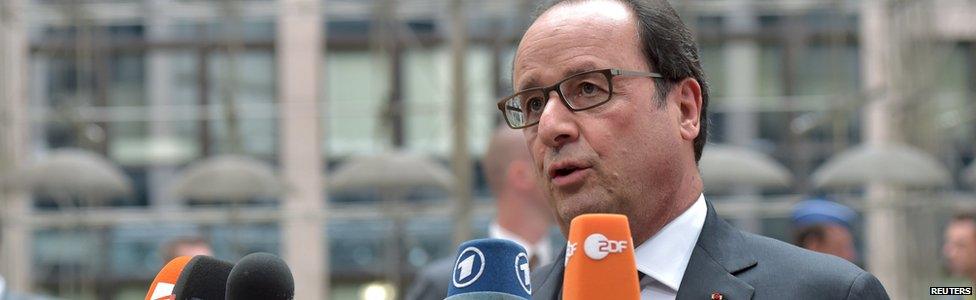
x=717, y=258
x=705, y=276
x=551, y=287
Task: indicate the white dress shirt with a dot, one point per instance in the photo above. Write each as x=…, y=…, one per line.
x=541, y=249
x=664, y=257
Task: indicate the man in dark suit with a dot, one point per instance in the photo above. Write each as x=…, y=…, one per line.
x=522, y=215
x=622, y=134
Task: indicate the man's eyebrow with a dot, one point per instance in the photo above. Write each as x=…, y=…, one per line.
x=528, y=84
x=533, y=82
x=580, y=68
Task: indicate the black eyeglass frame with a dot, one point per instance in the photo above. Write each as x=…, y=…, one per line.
x=609, y=73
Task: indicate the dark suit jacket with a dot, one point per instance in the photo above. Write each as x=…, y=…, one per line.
x=742, y=265
x=432, y=281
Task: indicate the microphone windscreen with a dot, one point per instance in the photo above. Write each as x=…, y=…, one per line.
x=600, y=259
x=490, y=269
x=203, y=278
x=260, y=276
x=165, y=280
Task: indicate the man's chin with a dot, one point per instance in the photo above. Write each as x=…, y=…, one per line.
x=572, y=208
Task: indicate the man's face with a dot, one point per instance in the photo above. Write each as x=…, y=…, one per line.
x=837, y=241
x=960, y=247
x=619, y=157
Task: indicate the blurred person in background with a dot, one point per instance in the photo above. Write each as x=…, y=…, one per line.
x=960, y=247
x=185, y=246
x=522, y=212
x=824, y=226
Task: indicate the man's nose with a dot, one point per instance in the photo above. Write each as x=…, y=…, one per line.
x=557, y=124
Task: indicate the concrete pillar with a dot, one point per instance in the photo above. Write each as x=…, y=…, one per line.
x=158, y=86
x=883, y=216
x=742, y=77
x=15, y=206
x=970, y=53
x=299, y=53
x=460, y=155
x=742, y=85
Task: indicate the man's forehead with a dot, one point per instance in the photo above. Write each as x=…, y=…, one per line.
x=963, y=227
x=964, y=223
x=612, y=10
x=593, y=18
x=572, y=25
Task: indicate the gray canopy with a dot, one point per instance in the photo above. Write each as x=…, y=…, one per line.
x=893, y=164
x=726, y=166
x=76, y=173
x=228, y=178
x=390, y=170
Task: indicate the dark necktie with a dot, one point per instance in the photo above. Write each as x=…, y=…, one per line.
x=640, y=280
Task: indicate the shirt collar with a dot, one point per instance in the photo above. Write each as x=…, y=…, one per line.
x=542, y=248
x=664, y=257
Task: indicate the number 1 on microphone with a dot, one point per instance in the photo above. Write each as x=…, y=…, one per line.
x=525, y=272
x=465, y=267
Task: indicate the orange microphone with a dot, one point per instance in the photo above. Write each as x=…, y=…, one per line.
x=162, y=286
x=600, y=259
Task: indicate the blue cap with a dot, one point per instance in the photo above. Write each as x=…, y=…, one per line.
x=490, y=266
x=820, y=211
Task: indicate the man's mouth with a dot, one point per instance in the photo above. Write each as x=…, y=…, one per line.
x=564, y=174
x=564, y=171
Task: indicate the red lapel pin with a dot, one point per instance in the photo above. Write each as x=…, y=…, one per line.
x=717, y=296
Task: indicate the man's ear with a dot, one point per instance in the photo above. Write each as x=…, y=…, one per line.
x=688, y=96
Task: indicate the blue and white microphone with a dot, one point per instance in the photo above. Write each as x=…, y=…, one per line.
x=490, y=269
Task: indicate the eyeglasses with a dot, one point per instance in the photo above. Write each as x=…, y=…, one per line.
x=578, y=92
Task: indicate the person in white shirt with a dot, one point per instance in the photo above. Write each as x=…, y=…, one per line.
x=611, y=98
x=523, y=215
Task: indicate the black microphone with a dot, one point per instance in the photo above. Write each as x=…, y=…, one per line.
x=203, y=278
x=260, y=276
